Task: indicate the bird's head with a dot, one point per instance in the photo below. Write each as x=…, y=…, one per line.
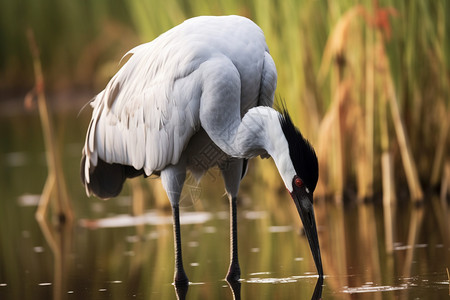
x=300, y=178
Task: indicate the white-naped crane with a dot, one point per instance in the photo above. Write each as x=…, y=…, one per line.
x=200, y=95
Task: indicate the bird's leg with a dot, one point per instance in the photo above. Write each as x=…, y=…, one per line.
x=232, y=174
x=172, y=179
x=180, y=276
x=234, y=271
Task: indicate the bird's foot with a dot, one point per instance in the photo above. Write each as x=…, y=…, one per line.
x=180, y=278
x=234, y=272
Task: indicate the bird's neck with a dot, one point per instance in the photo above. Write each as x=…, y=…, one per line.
x=260, y=132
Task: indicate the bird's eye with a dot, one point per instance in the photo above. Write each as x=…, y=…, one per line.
x=298, y=182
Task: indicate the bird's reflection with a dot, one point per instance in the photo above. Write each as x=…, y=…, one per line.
x=181, y=291
x=318, y=289
x=235, y=286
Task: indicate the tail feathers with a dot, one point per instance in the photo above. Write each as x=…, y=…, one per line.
x=106, y=180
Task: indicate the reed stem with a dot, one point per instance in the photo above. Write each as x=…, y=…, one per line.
x=55, y=184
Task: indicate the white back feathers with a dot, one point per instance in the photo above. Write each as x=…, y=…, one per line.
x=149, y=110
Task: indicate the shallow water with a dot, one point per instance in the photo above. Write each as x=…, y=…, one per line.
x=109, y=253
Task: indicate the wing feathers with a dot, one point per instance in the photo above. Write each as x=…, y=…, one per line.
x=149, y=110
x=134, y=123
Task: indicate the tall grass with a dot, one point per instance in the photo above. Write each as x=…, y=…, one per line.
x=366, y=81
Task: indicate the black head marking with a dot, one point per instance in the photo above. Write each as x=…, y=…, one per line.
x=301, y=152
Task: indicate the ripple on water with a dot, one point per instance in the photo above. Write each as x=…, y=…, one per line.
x=151, y=218
x=45, y=284
x=254, y=215
x=368, y=288
x=29, y=200
x=273, y=280
x=280, y=229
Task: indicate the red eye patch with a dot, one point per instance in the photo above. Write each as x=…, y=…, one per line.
x=298, y=182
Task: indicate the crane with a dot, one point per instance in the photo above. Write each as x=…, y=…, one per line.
x=200, y=95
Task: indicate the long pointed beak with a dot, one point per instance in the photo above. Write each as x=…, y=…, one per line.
x=305, y=209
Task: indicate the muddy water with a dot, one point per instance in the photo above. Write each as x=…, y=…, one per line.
x=115, y=251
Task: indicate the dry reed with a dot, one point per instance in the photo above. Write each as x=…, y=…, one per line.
x=55, y=185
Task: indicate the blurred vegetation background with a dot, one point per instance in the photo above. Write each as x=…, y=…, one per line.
x=367, y=81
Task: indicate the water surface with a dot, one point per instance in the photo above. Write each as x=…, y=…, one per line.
x=111, y=251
